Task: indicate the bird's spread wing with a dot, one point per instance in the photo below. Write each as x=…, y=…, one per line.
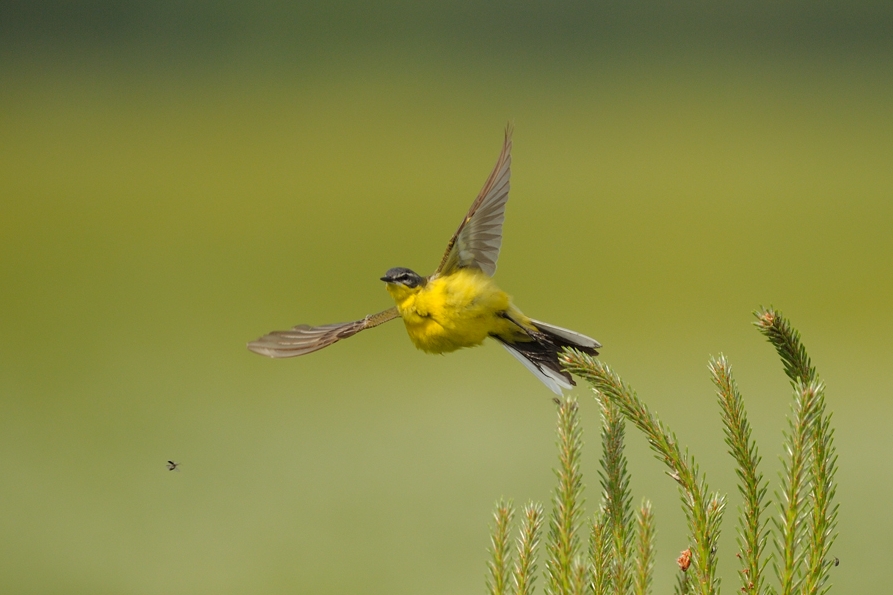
x=305, y=339
x=476, y=243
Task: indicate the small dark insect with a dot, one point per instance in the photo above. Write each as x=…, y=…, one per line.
x=837, y=561
x=173, y=466
x=684, y=560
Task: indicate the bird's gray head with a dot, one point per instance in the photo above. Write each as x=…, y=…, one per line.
x=403, y=276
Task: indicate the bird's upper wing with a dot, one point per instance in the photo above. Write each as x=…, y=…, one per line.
x=304, y=339
x=476, y=243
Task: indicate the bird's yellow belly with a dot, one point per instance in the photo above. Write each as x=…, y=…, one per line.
x=459, y=310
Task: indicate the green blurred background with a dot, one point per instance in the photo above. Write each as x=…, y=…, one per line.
x=180, y=177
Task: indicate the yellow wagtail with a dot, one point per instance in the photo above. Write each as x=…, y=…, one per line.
x=460, y=304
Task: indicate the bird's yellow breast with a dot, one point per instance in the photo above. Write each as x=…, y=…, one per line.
x=457, y=310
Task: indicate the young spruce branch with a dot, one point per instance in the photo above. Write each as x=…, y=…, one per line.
x=500, y=555
x=786, y=341
x=821, y=459
x=600, y=554
x=703, y=511
x=823, y=517
x=751, y=529
x=524, y=575
x=791, y=524
x=564, y=570
x=616, y=496
x=645, y=545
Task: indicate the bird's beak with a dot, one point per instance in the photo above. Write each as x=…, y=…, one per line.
x=386, y=279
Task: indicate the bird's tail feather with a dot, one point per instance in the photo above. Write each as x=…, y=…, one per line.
x=540, y=354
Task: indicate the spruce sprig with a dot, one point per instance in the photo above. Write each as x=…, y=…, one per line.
x=500, y=562
x=524, y=575
x=645, y=545
x=791, y=523
x=751, y=529
x=563, y=566
x=600, y=554
x=703, y=511
x=815, y=438
x=616, y=496
x=786, y=340
x=823, y=509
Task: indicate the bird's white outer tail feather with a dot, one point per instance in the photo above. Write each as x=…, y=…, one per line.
x=571, y=336
x=550, y=378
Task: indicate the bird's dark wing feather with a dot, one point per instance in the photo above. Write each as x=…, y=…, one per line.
x=304, y=339
x=476, y=243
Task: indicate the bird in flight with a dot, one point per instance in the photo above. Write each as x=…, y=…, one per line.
x=459, y=305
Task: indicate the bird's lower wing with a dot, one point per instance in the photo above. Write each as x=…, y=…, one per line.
x=553, y=379
x=304, y=339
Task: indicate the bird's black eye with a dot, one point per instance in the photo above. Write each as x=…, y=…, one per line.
x=403, y=277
